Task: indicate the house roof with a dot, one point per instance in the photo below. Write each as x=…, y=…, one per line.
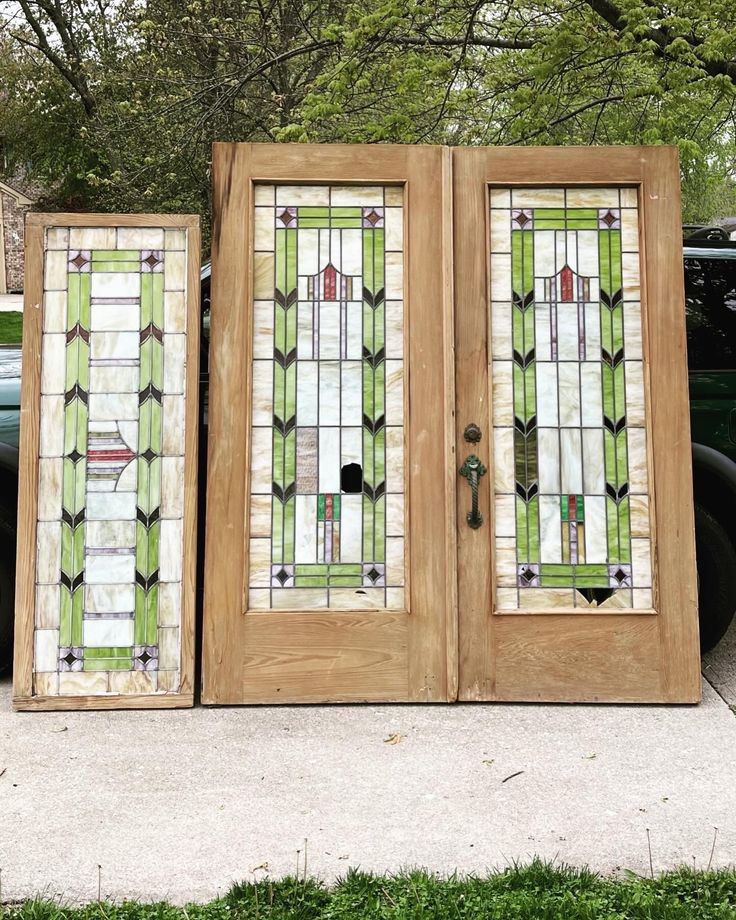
x=14, y=193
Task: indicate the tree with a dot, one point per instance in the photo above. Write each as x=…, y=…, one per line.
x=120, y=101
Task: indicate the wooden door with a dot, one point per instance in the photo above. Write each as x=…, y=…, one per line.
x=330, y=552
x=570, y=357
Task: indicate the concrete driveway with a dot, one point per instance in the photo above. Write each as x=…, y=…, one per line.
x=179, y=804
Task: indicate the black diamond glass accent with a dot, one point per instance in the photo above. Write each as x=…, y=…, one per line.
x=282, y=575
x=374, y=575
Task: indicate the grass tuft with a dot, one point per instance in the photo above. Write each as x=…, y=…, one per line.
x=11, y=327
x=536, y=891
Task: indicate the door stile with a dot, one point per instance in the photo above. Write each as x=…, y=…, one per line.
x=676, y=588
x=474, y=556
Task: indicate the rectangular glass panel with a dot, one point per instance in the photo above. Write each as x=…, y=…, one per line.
x=109, y=580
x=568, y=398
x=327, y=405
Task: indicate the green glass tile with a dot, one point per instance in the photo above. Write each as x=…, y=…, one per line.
x=139, y=623
x=280, y=260
x=122, y=651
x=549, y=213
x=156, y=437
x=586, y=568
x=116, y=255
x=368, y=327
x=368, y=459
x=612, y=530
x=564, y=508
x=379, y=456
x=107, y=664
x=522, y=531
x=278, y=458
x=290, y=458
x=279, y=335
x=147, y=299
x=368, y=545
x=369, y=381
x=592, y=581
x=528, y=340
x=67, y=550
x=615, y=236
x=609, y=452
x=290, y=328
x=157, y=364
x=277, y=530
x=78, y=548
x=314, y=211
x=619, y=391
x=345, y=568
x=346, y=223
x=290, y=392
x=533, y=530
x=580, y=507
x=310, y=581
x=146, y=363
x=379, y=530
x=604, y=260
x=369, y=275
x=379, y=326
x=335, y=507
x=289, y=530
x=556, y=581
x=607, y=384
x=530, y=390
x=152, y=616
x=72, y=299
x=622, y=464
x=311, y=568
x=157, y=298
x=347, y=211
x=517, y=319
x=77, y=616
x=346, y=581
x=528, y=261
x=517, y=249
x=65, y=617
x=143, y=479
x=320, y=507
x=379, y=258
x=291, y=258
x=624, y=531
x=110, y=266
x=582, y=224
x=279, y=392
x=617, y=328
x=379, y=395
x=313, y=223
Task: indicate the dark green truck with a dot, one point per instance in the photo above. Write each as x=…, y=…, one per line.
x=710, y=290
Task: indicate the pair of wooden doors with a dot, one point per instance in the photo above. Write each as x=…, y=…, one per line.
x=448, y=429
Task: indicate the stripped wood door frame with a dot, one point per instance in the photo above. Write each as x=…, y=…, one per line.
x=322, y=654
x=648, y=656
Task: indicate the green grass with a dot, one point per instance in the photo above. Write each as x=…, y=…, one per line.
x=11, y=328
x=538, y=891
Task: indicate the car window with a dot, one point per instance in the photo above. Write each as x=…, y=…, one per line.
x=710, y=305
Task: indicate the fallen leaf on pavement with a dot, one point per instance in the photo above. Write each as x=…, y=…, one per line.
x=393, y=739
x=62, y=729
x=263, y=867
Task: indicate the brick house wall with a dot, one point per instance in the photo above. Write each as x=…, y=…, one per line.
x=13, y=207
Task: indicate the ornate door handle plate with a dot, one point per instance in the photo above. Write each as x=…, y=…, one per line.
x=472, y=470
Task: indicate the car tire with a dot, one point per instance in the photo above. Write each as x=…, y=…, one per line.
x=716, y=558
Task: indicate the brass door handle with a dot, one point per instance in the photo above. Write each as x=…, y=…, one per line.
x=472, y=470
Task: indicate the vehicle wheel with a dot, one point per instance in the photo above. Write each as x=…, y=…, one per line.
x=7, y=585
x=716, y=558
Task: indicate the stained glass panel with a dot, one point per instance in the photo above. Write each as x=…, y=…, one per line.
x=327, y=466
x=570, y=478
